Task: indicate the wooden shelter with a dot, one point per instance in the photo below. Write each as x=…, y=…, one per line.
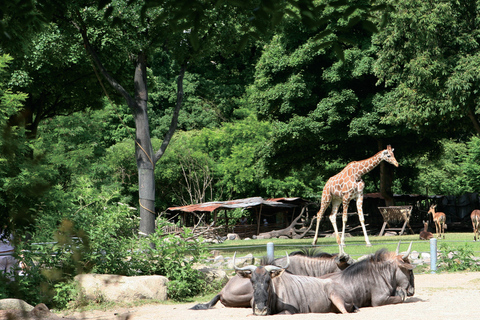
x=196, y=214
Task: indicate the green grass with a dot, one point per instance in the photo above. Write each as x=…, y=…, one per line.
x=355, y=246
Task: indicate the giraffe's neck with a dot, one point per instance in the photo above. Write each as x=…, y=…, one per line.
x=364, y=166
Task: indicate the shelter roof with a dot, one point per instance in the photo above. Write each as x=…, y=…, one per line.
x=233, y=204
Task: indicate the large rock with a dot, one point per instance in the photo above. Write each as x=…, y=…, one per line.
x=15, y=304
x=109, y=287
x=249, y=259
x=40, y=312
x=213, y=274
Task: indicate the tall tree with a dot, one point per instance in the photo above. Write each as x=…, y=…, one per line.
x=326, y=112
x=144, y=36
x=430, y=56
x=190, y=30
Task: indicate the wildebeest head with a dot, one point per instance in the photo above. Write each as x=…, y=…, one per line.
x=405, y=277
x=261, y=279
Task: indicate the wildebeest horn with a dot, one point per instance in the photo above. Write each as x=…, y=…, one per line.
x=405, y=256
x=250, y=267
x=271, y=268
x=398, y=248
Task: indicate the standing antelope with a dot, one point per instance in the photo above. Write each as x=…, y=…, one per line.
x=475, y=216
x=439, y=218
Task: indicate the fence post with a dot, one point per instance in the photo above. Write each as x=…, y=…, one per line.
x=433, y=255
x=270, y=251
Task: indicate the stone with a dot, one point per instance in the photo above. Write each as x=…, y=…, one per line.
x=15, y=304
x=115, y=288
x=414, y=255
x=213, y=274
x=39, y=312
x=249, y=259
x=233, y=236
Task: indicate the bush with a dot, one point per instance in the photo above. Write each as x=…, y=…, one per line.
x=461, y=259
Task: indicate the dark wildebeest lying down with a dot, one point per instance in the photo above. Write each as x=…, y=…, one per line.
x=239, y=291
x=382, y=278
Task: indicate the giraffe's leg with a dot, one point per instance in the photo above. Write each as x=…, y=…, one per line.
x=345, y=203
x=333, y=219
x=325, y=202
x=362, y=219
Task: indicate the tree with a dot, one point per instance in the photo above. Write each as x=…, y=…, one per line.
x=190, y=31
x=22, y=177
x=139, y=49
x=430, y=56
x=326, y=112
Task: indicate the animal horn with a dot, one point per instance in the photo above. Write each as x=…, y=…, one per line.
x=272, y=268
x=250, y=267
x=405, y=256
x=398, y=248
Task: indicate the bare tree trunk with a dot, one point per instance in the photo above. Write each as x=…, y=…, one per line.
x=474, y=120
x=143, y=149
x=386, y=180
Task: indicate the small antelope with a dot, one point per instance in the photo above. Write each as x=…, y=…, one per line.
x=475, y=216
x=439, y=218
x=425, y=234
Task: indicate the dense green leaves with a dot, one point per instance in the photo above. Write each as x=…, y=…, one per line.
x=429, y=55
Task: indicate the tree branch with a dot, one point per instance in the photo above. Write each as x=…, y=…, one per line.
x=117, y=86
x=173, y=124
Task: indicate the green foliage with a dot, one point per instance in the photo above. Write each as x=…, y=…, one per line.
x=458, y=259
x=23, y=175
x=175, y=257
x=428, y=55
x=65, y=294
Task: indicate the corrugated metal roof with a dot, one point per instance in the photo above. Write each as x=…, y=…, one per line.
x=231, y=204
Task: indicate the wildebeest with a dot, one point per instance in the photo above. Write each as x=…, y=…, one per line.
x=475, y=216
x=276, y=291
x=309, y=262
x=381, y=278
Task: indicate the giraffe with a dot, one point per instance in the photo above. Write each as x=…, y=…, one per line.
x=346, y=186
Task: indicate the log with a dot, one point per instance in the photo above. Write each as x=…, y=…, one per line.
x=289, y=231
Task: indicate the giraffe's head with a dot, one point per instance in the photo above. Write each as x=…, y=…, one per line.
x=388, y=156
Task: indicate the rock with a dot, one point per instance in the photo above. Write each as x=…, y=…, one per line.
x=215, y=253
x=219, y=258
x=233, y=236
x=15, y=304
x=414, y=255
x=242, y=261
x=213, y=274
x=40, y=312
x=115, y=288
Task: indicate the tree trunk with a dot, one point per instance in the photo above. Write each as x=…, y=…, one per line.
x=473, y=119
x=144, y=149
x=386, y=180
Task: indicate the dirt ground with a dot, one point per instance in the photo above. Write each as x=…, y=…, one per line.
x=437, y=296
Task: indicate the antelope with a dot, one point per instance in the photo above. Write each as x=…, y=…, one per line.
x=475, y=216
x=425, y=234
x=439, y=218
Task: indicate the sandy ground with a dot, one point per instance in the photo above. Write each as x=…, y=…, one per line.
x=437, y=296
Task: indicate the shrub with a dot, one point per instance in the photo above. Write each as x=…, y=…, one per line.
x=460, y=259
